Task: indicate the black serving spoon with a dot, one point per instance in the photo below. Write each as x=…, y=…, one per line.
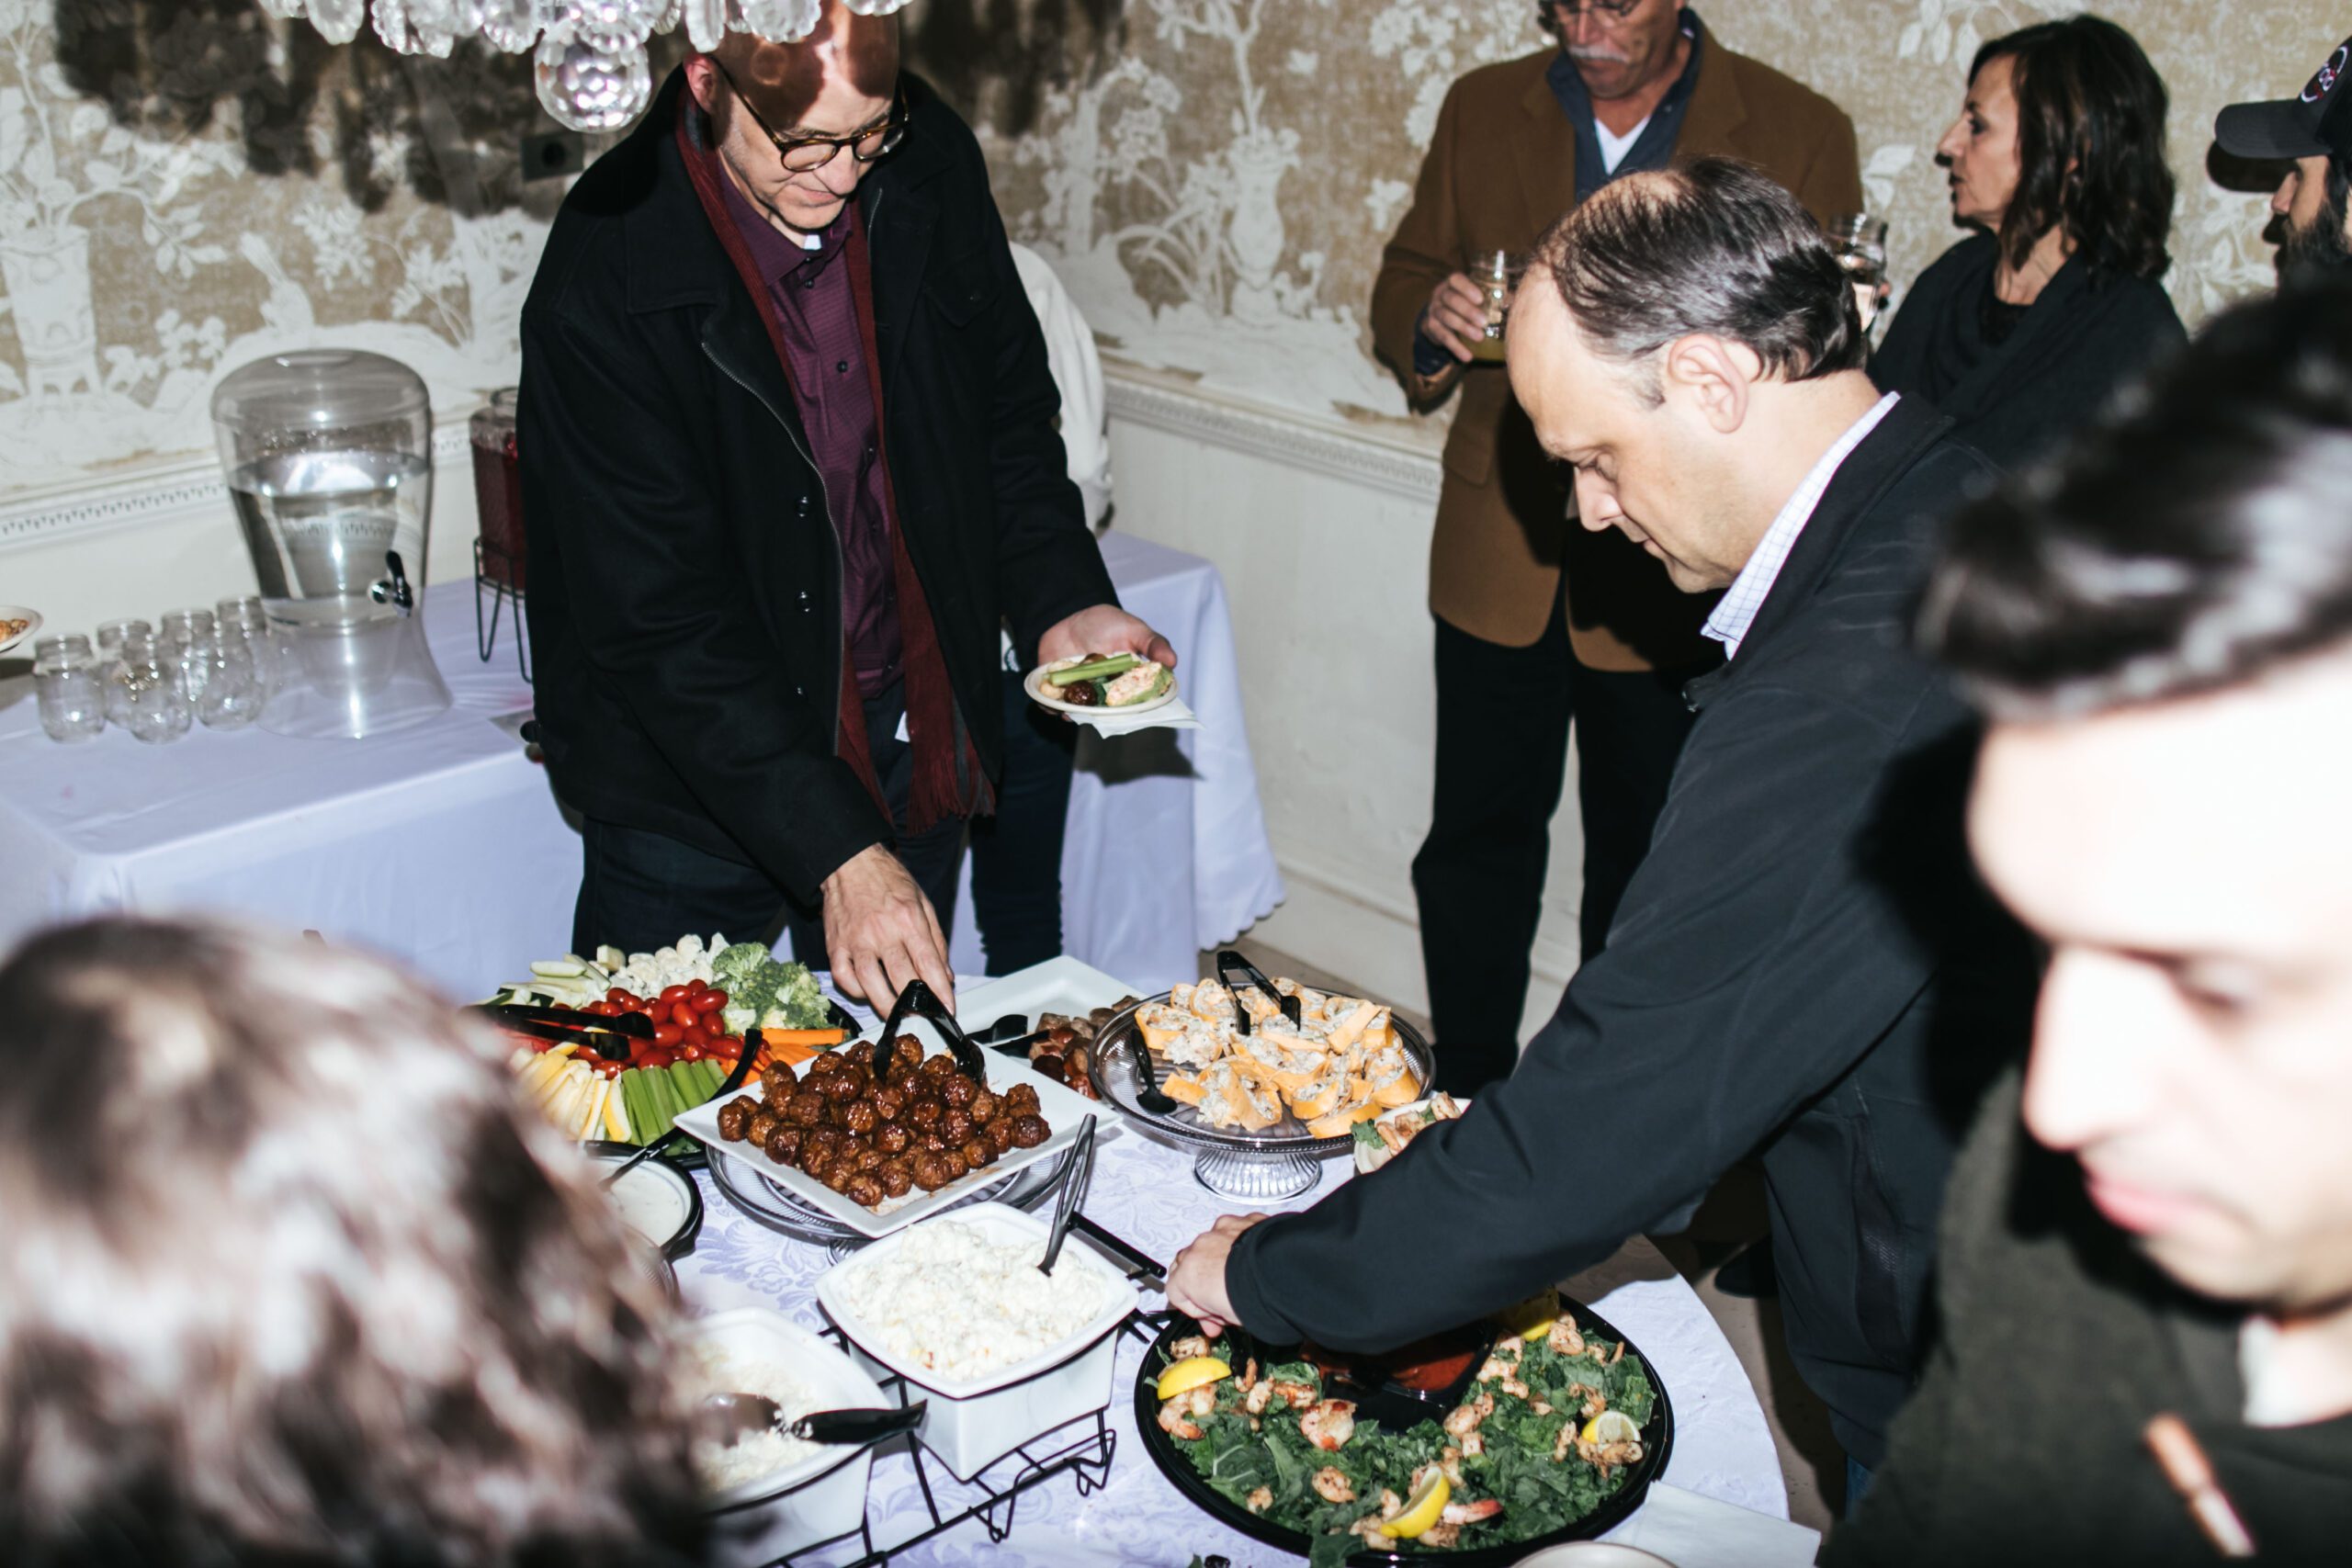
x=726, y=1417
x=1149, y=1097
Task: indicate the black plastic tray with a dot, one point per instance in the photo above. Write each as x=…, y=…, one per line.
x=1657, y=1442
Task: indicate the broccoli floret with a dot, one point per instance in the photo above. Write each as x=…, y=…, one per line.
x=737, y=964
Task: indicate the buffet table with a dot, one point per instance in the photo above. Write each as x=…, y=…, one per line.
x=443, y=847
x=1144, y=1191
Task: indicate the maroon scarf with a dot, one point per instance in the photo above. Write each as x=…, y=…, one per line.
x=944, y=784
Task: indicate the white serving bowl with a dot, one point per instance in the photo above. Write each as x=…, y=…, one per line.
x=824, y=1495
x=971, y=1423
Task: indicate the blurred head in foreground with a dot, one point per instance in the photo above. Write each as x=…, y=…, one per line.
x=288, y=1277
x=2159, y=628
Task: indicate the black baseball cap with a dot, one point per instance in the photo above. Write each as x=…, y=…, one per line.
x=2313, y=123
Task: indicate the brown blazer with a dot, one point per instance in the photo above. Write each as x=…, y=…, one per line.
x=1502, y=167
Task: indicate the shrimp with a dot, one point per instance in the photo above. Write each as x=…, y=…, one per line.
x=1332, y=1485
x=1392, y=1505
x=1496, y=1367
x=1184, y=1350
x=1328, y=1424
x=1602, y=1457
x=1448, y=1459
x=1254, y=1402
x=1297, y=1395
x=1465, y=1418
x=1440, y=1537
x=1261, y=1500
x=1563, y=1340
x=1248, y=1378
x=1470, y=1513
x=1368, y=1527
x=1176, y=1413
x=1595, y=1402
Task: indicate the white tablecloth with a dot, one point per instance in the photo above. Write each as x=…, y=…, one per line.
x=443, y=846
x=1145, y=1192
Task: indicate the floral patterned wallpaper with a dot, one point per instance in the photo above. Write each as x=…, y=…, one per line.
x=186, y=184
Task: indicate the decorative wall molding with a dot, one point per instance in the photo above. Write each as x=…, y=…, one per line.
x=1294, y=439
x=160, y=493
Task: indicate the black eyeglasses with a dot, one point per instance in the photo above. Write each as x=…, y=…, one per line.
x=805, y=154
x=1608, y=10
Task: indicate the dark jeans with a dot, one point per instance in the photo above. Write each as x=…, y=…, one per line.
x=641, y=890
x=1502, y=745
x=1017, y=853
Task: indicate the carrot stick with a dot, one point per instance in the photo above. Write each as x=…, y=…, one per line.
x=803, y=1036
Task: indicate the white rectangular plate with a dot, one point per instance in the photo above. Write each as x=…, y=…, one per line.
x=1059, y=984
x=1065, y=1112
x=1000, y=1225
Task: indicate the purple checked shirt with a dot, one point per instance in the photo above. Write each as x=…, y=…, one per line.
x=826, y=363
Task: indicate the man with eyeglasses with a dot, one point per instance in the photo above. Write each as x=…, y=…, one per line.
x=789, y=461
x=1539, y=621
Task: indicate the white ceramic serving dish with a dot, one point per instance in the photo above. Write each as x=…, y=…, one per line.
x=1064, y=1110
x=973, y=1423
x=32, y=624
x=1059, y=984
x=824, y=1495
x=1040, y=693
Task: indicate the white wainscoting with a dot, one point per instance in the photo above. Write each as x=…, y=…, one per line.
x=1322, y=533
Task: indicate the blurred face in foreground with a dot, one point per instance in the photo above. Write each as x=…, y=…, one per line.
x=1651, y=469
x=2190, y=866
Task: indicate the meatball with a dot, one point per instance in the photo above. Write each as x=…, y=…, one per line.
x=957, y=1092
x=760, y=1124
x=1049, y=1065
x=777, y=1096
x=939, y=1067
x=734, y=1117
x=977, y=1153
x=955, y=1126
x=864, y=1188
x=955, y=1161
x=924, y=1114
x=836, y=1086
x=806, y=1108
x=929, y=1142
x=897, y=1178
x=826, y=1138
x=857, y=1053
x=933, y=1172
x=815, y=1159
x=889, y=1103
x=784, y=1145
x=1020, y=1099
x=858, y=1116
x=1030, y=1131
x=892, y=1138
x=984, y=1107
x=780, y=1076
x=997, y=1135
x=870, y=1160
x=840, y=1173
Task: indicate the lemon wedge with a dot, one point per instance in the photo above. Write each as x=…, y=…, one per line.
x=1428, y=1502
x=1190, y=1373
x=1534, y=1316
x=1610, y=1427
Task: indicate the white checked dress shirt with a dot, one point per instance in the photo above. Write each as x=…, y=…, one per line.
x=1735, y=611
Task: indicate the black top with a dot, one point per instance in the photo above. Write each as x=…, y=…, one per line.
x=2013, y=389
x=1805, y=962
x=2058, y=1343
x=685, y=604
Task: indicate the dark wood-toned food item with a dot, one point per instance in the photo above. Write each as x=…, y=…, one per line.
x=784, y=1145
x=1049, y=1065
x=1021, y=1100
x=1029, y=1130
x=984, y=1107
x=735, y=1119
x=892, y=1137
x=763, y=1124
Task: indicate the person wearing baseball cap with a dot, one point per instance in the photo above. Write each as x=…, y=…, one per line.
x=2312, y=133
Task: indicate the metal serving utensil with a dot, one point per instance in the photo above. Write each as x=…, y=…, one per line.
x=726, y=1417
x=1077, y=1171
x=1230, y=964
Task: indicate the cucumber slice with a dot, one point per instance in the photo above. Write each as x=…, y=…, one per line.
x=560, y=968
x=1095, y=669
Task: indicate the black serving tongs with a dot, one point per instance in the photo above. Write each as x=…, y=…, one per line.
x=919, y=999
x=1230, y=964
x=609, y=1037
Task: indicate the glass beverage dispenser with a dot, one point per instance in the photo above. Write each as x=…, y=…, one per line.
x=330, y=462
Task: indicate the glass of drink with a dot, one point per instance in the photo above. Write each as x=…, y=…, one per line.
x=1498, y=277
x=153, y=710
x=1860, y=242
x=65, y=685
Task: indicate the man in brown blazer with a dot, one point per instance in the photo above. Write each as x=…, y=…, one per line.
x=1539, y=621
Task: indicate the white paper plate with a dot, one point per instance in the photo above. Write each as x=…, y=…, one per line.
x=1034, y=684
x=32, y=620
x=1000, y=1225
x=1064, y=1110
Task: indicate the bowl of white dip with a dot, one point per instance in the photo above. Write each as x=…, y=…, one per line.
x=955, y=1306
x=770, y=1494
x=658, y=1201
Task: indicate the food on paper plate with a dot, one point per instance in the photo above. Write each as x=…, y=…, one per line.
x=1378, y=1142
x=950, y=1299
x=1340, y=1064
x=1544, y=1436
x=875, y=1142
x=1106, y=681
x=12, y=628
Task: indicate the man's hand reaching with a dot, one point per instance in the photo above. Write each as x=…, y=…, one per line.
x=880, y=931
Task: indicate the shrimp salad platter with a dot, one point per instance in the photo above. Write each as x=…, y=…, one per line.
x=1545, y=1426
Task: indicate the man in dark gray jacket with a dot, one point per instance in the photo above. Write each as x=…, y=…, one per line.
x=1804, y=952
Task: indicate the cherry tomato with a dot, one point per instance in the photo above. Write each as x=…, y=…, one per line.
x=612, y=1069
x=658, y=1059
x=708, y=1001
x=618, y=995
x=674, y=995
x=697, y=986
x=667, y=1033
x=684, y=1016
x=691, y=1054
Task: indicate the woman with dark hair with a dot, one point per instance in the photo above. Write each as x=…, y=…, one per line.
x=2019, y=332
x=289, y=1276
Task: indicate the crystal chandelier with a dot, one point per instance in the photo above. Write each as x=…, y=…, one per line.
x=588, y=55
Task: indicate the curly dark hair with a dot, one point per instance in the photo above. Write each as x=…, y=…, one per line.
x=2090, y=145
